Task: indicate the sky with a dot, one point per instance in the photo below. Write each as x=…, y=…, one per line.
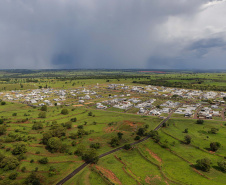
x=113, y=34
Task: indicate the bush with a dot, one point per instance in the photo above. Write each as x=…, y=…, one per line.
x=127, y=146
x=204, y=164
x=137, y=138
x=42, y=115
x=32, y=179
x=214, y=146
x=9, y=163
x=14, y=114
x=73, y=119
x=44, y=108
x=37, y=126
x=187, y=139
x=13, y=175
x=214, y=130
x=95, y=145
x=64, y=112
x=222, y=165
x=114, y=142
x=43, y=160
x=200, y=121
x=3, y=103
x=23, y=169
x=32, y=160
x=19, y=149
x=68, y=125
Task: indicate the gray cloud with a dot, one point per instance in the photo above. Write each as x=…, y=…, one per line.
x=109, y=34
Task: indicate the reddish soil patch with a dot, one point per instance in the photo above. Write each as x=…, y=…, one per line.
x=91, y=139
x=80, y=105
x=149, y=179
x=109, y=174
x=154, y=155
x=109, y=129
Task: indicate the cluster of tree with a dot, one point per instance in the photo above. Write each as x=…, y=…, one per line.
x=155, y=135
x=8, y=162
x=116, y=140
x=55, y=144
x=142, y=131
x=89, y=155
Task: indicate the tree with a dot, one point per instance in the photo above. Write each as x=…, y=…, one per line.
x=114, y=142
x=222, y=165
x=187, y=139
x=33, y=179
x=19, y=149
x=2, y=129
x=90, y=114
x=68, y=125
x=43, y=160
x=200, y=121
x=37, y=126
x=13, y=175
x=137, y=138
x=204, y=164
x=214, y=130
x=3, y=103
x=64, y=112
x=140, y=131
x=153, y=133
x=95, y=145
x=1, y=121
x=73, y=119
x=54, y=144
x=119, y=134
x=80, y=150
x=90, y=156
x=44, y=108
x=9, y=163
x=127, y=146
x=214, y=146
x=42, y=115
x=186, y=130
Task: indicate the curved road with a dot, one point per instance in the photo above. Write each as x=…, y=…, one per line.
x=112, y=151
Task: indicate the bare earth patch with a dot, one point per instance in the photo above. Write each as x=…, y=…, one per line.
x=109, y=174
x=154, y=155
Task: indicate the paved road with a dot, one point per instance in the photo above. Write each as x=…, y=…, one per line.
x=112, y=151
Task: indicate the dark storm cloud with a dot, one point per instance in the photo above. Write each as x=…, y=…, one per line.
x=101, y=33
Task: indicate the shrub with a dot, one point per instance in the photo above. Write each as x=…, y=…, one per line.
x=200, y=121
x=64, y=112
x=37, y=126
x=137, y=138
x=187, y=139
x=19, y=149
x=127, y=146
x=95, y=145
x=73, y=119
x=23, y=169
x=204, y=164
x=9, y=163
x=44, y=108
x=43, y=160
x=13, y=175
x=214, y=146
x=222, y=165
x=42, y=115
